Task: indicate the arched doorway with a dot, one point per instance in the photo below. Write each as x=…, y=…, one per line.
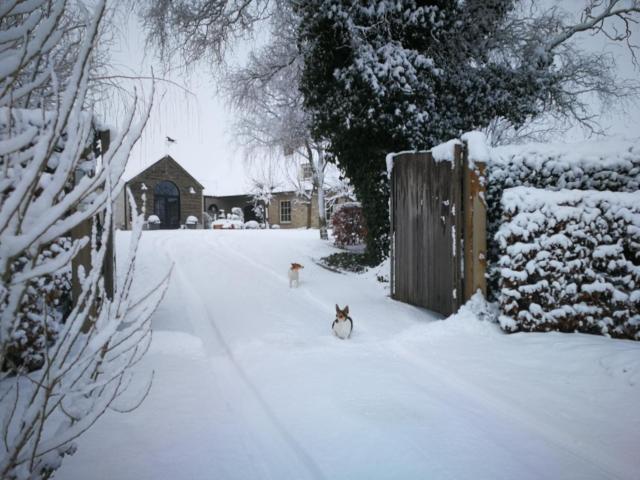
x=166, y=204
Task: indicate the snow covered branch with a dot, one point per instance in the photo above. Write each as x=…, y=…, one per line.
x=64, y=358
x=594, y=18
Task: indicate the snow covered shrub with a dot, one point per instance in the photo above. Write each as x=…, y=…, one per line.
x=570, y=261
x=349, y=227
x=239, y=214
x=192, y=222
x=346, y=262
x=43, y=309
x=604, y=165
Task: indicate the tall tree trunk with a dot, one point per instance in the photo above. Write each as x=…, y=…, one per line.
x=317, y=169
x=322, y=207
x=322, y=215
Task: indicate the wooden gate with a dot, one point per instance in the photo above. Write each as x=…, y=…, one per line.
x=426, y=227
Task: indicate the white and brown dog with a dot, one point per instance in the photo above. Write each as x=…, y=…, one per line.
x=343, y=325
x=294, y=274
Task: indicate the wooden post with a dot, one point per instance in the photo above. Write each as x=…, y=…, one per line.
x=83, y=258
x=475, y=226
x=458, y=231
x=392, y=234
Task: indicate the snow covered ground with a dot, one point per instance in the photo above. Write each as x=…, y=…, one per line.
x=250, y=384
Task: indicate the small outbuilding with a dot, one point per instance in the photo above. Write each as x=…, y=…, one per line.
x=172, y=194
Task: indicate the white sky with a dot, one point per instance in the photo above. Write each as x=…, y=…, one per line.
x=198, y=120
x=202, y=125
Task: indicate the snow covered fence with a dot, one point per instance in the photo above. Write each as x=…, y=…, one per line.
x=612, y=165
x=570, y=261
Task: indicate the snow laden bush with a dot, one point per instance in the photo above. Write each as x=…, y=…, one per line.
x=386, y=76
x=605, y=166
x=349, y=226
x=570, y=261
x=63, y=363
x=42, y=310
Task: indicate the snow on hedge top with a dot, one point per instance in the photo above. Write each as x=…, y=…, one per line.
x=566, y=204
x=567, y=161
x=339, y=206
x=610, y=154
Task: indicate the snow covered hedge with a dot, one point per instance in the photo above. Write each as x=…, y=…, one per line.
x=570, y=261
x=612, y=165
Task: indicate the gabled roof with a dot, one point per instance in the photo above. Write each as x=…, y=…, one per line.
x=170, y=159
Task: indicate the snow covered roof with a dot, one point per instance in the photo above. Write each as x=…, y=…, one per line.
x=130, y=177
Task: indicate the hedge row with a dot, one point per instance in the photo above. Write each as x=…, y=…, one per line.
x=570, y=261
x=604, y=166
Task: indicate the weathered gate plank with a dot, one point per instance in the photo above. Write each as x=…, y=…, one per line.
x=426, y=228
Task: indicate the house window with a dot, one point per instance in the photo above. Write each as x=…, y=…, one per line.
x=285, y=211
x=307, y=173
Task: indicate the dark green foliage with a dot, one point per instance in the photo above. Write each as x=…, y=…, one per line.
x=388, y=76
x=347, y=262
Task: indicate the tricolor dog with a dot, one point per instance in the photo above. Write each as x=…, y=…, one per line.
x=294, y=274
x=343, y=325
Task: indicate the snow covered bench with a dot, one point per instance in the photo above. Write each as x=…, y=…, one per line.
x=570, y=261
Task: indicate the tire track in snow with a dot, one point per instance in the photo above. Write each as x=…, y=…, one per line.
x=280, y=276
x=464, y=388
x=200, y=306
x=506, y=413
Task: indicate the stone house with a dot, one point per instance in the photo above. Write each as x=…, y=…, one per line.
x=172, y=194
x=286, y=208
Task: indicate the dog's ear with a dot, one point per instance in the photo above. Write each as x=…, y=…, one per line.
x=346, y=310
x=337, y=308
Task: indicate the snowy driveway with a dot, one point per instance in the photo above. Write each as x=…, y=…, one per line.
x=250, y=384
